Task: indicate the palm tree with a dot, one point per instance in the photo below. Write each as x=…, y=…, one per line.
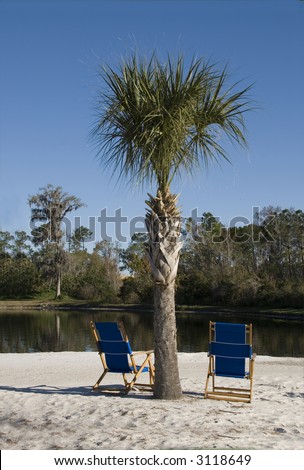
x=154, y=122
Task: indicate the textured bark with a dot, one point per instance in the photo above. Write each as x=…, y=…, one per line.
x=164, y=225
x=167, y=384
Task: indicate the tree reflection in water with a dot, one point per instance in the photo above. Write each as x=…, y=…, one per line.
x=44, y=331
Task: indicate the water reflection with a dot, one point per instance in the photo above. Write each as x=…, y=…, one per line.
x=70, y=331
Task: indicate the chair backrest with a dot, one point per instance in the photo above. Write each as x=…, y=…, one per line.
x=114, y=344
x=230, y=348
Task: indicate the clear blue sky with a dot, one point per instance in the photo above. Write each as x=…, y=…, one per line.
x=49, y=55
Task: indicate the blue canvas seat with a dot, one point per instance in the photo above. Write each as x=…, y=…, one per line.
x=117, y=357
x=230, y=356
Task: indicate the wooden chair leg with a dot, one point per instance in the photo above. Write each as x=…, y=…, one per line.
x=100, y=379
x=208, y=377
x=206, y=389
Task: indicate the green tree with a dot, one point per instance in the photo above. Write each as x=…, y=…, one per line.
x=49, y=207
x=109, y=254
x=78, y=238
x=87, y=278
x=281, y=264
x=157, y=120
x=5, y=244
x=19, y=278
x=21, y=248
x=137, y=286
x=134, y=259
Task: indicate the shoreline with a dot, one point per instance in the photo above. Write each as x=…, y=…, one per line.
x=7, y=306
x=46, y=402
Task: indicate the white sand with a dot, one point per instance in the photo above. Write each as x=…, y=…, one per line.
x=46, y=403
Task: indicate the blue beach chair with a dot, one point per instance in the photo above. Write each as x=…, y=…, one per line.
x=230, y=356
x=117, y=357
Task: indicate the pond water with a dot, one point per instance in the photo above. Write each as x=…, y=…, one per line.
x=45, y=331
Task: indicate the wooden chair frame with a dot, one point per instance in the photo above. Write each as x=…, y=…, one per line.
x=230, y=393
x=136, y=370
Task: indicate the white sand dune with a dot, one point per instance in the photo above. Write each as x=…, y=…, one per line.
x=46, y=402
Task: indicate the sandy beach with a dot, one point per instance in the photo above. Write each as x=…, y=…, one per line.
x=46, y=402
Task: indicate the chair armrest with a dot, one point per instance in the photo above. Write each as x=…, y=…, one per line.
x=143, y=352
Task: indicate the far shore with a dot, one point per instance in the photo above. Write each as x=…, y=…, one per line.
x=49, y=305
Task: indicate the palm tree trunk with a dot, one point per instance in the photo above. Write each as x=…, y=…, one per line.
x=167, y=383
x=164, y=224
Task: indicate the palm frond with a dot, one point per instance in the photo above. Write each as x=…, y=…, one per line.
x=155, y=120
